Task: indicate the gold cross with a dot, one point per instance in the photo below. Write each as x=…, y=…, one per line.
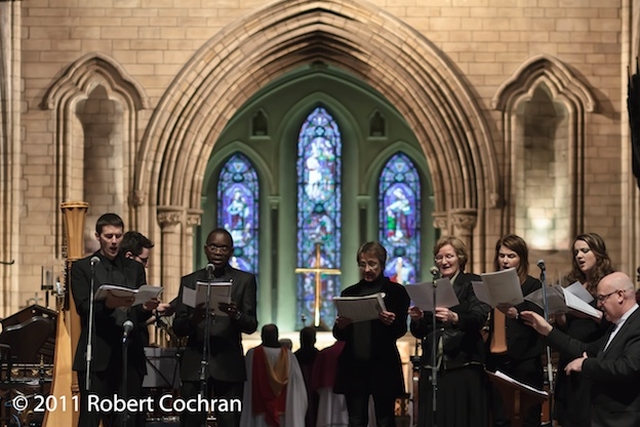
x=318, y=270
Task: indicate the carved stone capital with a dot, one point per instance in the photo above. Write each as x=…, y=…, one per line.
x=463, y=221
x=194, y=217
x=440, y=222
x=137, y=198
x=169, y=218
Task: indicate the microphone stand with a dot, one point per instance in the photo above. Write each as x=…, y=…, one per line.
x=545, y=299
x=204, y=363
x=434, y=355
x=125, y=355
x=89, y=350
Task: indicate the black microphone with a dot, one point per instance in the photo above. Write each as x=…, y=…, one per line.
x=541, y=265
x=435, y=272
x=210, y=269
x=127, y=327
x=94, y=260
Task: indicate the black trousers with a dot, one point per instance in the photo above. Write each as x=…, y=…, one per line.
x=218, y=389
x=104, y=386
x=358, y=408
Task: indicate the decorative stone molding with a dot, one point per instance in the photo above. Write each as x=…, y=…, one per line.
x=463, y=221
x=194, y=218
x=137, y=198
x=441, y=222
x=169, y=218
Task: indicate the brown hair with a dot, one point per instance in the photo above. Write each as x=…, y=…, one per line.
x=603, y=265
x=375, y=249
x=519, y=246
x=457, y=245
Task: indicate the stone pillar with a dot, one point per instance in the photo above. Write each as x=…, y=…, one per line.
x=441, y=223
x=10, y=151
x=170, y=219
x=462, y=222
x=194, y=217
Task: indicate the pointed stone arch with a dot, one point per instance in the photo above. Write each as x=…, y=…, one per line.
x=564, y=87
x=75, y=85
x=360, y=38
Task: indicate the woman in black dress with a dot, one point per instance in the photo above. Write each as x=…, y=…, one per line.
x=461, y=393
x=572, y=393
x=522, y=357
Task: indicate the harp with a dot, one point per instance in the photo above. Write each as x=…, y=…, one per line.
x=64, y=380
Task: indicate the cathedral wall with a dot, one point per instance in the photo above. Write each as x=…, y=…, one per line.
x=484, y=41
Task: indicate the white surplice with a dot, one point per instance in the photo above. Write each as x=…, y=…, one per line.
x=296, y=403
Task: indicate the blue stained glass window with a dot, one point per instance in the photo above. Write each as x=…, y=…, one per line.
x=318, y=217
x=399, y=207
x=238, y=195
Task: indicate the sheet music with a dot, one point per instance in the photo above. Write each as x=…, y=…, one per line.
x=220, y=293
x=555, y=298
x=574, y=302
x=142, y=294
x=360, y=308
x=421, y=294
x=561, y=300
x=523, y=385
x=501, y=287
x=578, y=289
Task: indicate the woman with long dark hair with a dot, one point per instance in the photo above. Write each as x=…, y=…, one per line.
x=590, y=263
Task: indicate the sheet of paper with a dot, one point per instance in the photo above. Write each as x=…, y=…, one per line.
x=421, y=294
x=503, y=287
x=142, y=294
x=520, y=384
x=189, y=297
x=555, y=297
x=576, y=303
x=577, y=289
x=360, y=308
x=220, y=293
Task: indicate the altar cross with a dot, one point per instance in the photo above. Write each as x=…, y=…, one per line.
x=318, y=270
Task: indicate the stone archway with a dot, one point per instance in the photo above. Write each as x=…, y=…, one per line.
x=381, y=50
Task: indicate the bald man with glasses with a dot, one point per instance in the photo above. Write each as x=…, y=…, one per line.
x=612, y=363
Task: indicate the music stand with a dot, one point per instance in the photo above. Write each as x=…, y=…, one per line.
x=517, y=398
x=164, y=369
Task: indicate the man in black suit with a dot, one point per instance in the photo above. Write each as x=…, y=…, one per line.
x=108, y=266
x=226, y=370
x=612, y=363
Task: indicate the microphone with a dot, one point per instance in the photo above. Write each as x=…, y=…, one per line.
x=94, y=260
x=210, y=269
x=127, y=327
x=541, y=265
x=435, y=272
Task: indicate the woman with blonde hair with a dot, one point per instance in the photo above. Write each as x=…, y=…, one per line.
x=461, y=385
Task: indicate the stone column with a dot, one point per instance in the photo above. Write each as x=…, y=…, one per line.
x=170, y=219
x=441, y=223
x=10, y=144
x=462, y=222
x=194, y=217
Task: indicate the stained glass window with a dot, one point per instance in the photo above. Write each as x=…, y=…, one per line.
x=318, y=218
x=399, y=207
x=238, y=195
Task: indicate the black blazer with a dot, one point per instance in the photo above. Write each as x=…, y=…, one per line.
x=614, y=373
x=462, y=342
x=108, y=330
x=382, y=372
x=226, y=359
x=523, y=342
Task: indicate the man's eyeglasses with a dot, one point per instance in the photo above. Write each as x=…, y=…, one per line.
x=215, y=248
x=143, y=261
x=603, y=298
